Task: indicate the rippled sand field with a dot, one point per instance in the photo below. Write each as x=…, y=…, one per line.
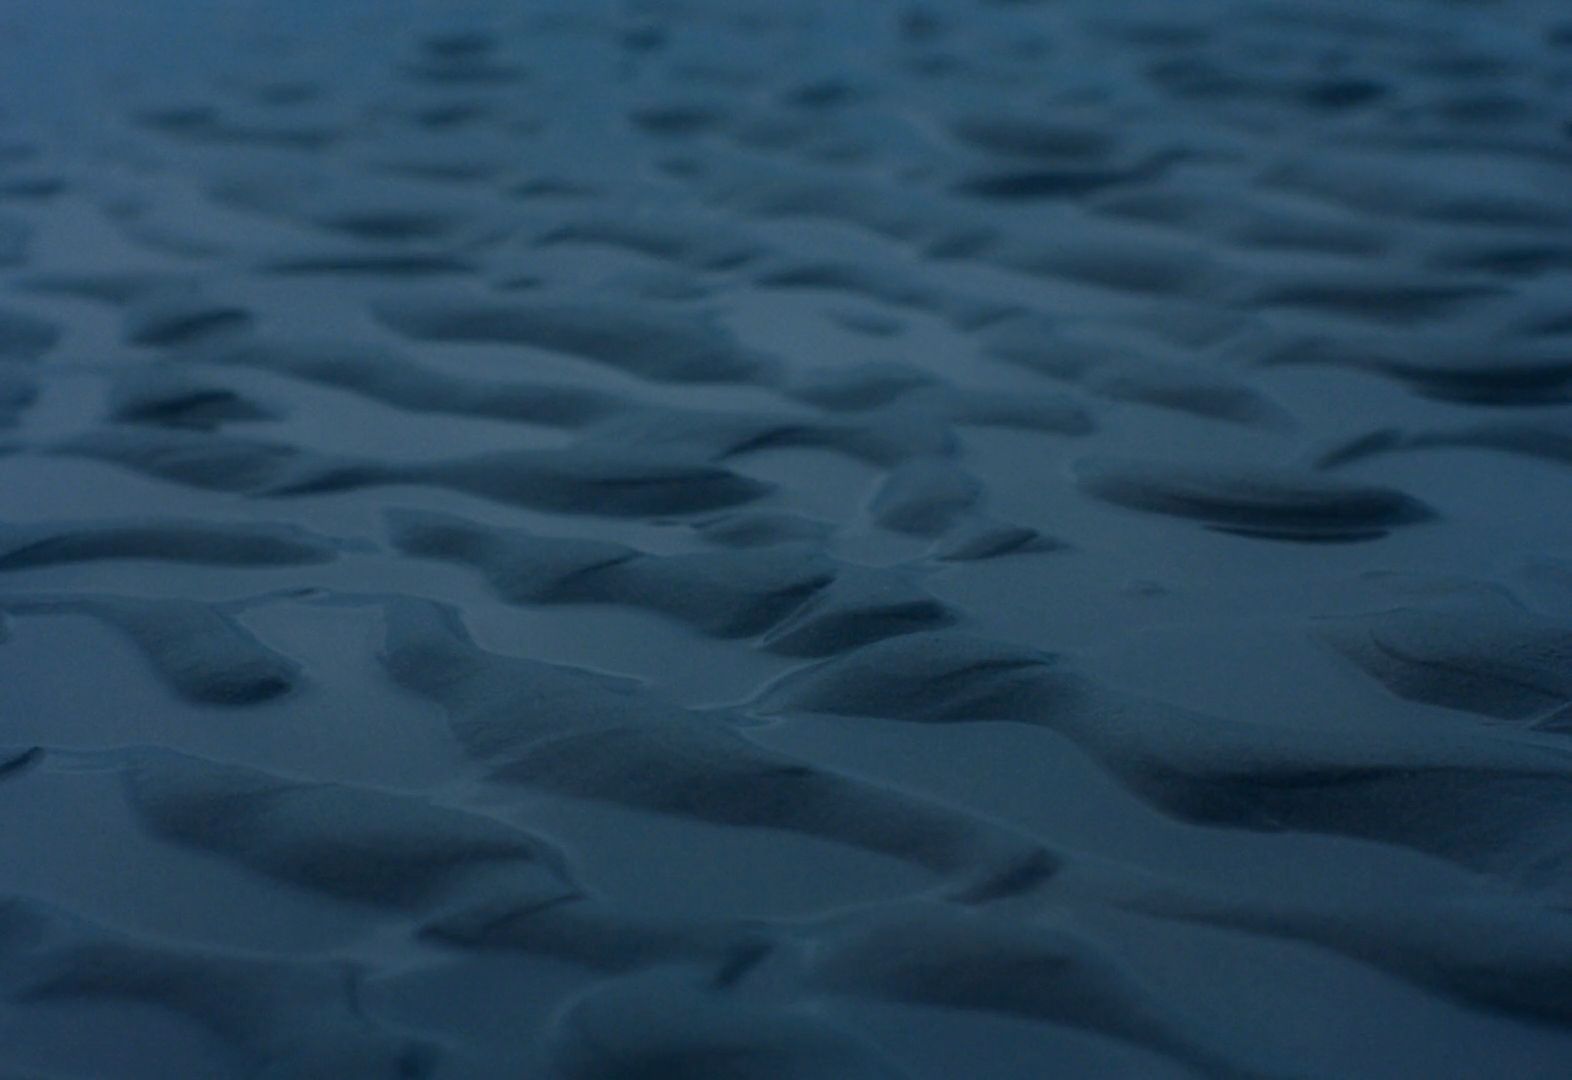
x=822, y=540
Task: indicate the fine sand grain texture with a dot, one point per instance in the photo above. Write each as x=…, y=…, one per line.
x=793, y=540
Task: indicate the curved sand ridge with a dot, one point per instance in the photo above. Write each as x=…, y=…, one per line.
x=686, y=538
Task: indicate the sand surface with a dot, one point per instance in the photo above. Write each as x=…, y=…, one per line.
x=724, y=540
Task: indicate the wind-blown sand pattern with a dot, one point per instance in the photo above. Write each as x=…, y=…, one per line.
x=702, y=540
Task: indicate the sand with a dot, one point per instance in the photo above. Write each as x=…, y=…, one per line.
x=702, y=540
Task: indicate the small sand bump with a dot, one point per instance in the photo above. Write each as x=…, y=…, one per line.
x=860, y=387
x=1068, y=181
x=171, y=398
x=697, y=244
x=1208, y=770
x=25, y=337
x=859, y=606
x=17, y=394
x=664, y=1024
x=1535, y=441
x=1451, y=369
x=25, y=547
x=1507, y=665
x=109, y=287
x=1376, y=300
x=1278, y=504
x=14, y=761
x=383, y=850
x=163, y=321
x=384, y=375
x=582, y=736
x=200, y=651
x=588, y=932
x=237, y=127
x=725, y=594
x=649, y=343
x=925, y=498
x=369, y=264
x=587, y=480
x=761, y=528
x=1500, y=961
x=1032, y=137
x=982, y=538
x=971, y=961
x=281, y=1016
x=15, y=238
x=210, y=462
